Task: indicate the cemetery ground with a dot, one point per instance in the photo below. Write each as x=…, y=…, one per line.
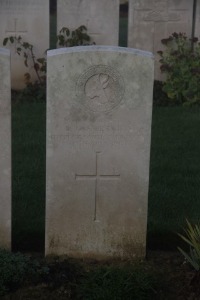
x=173, y=196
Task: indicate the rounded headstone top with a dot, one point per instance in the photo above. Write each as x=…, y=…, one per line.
x=99, y=49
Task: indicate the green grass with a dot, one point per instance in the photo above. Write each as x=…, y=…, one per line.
x=174, y=192
x=174, y=189
x=123, y=31
x=28, y=167
x=113, y=282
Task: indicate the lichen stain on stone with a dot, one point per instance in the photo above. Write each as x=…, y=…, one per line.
x=130, y=248
x=5, y=239
x=54, y=243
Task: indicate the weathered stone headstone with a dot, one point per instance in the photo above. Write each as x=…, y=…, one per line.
x=99, y=102
x=5, y=150
x=152, y=21
x=100, y=17
x=197, y=21
x=30, y=20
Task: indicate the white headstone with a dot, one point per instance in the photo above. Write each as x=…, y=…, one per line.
x=152, y=21
x=30, y=20
x=197, y=23
x=101, y=17
x=98, y=144
x=5, y=150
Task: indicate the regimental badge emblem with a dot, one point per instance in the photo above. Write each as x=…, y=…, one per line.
x=100, y=88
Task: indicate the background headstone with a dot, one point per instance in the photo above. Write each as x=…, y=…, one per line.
x=98, y=144
x=152, y=21
x=30, y=20
x=5, y=150
x=100, y=17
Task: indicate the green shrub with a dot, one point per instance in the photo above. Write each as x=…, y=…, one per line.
x=65, y=38
x=16, y=269
x=77, y=37
x=192, y=238
x=181, y=64
x=34, y=92
x=27, y=51
x=160, y=98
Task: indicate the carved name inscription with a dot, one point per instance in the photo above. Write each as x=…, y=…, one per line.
x=16, y=7
x=73, y=8
x=100, y=88
x=160, y=13
x=86, y=136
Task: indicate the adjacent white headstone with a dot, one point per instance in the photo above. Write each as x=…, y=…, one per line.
x=30, y=20
x=101, y=17
x=99, y=102
x=152, y=21
x=197, y=21
x=5, y=150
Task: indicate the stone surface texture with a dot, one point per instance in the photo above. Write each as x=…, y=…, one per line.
x=151, y=21
x=100, y=17
x=99, y=103
x=30, y=20
x=5, y=150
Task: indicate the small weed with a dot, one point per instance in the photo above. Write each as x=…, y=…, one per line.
x=117, y=283
x=192, y=238
x=65, y=38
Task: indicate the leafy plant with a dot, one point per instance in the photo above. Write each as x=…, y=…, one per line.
x=66, y=38
x=34, y=92
x=192, y=238
x=181, y=64
x=77, y=37
x=160, y=98
x=27, y=50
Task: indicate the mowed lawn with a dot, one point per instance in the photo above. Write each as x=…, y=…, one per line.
x=174, y=192
x=28, y=179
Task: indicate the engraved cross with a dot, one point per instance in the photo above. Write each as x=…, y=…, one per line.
x=96, y=177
